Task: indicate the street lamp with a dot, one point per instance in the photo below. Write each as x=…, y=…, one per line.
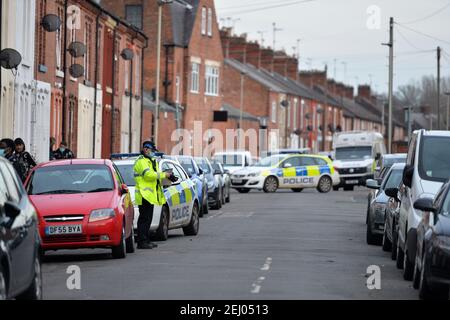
x=158, y=66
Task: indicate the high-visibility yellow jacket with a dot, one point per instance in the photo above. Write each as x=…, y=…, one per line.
x=148, y=181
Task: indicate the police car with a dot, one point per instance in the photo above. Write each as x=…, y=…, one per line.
x=283, y=171
x=182, y=208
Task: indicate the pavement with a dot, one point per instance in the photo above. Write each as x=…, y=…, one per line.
x=282, y=246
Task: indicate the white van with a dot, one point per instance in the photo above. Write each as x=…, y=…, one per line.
x=355, y=155
x=427, y=168
x=234, y=160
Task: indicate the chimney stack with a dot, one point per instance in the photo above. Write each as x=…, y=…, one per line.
x=364, y=91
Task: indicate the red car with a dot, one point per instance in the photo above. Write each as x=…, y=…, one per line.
x=82, y=204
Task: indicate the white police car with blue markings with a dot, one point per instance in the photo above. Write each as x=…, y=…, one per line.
x=295, y=172
x=182, y=208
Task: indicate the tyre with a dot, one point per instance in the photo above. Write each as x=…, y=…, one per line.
x=162, y=233
x=349, y=188
x=131, y=247
x=371, y=238
x=243, y=190
x=3, y=294
x=223, y=197
x=335, y=188
x=325, y=185
x=297, y=190
x=400, y=254
x=426, y=292
x=193, y=227
x=394, y=243
x=228, y=198
x=119, y=251
x=270, y=185
x=34, y=291
x=205, y=209
x=416, y=274
x=408, y=267
x=218, y=200
x=386, y=243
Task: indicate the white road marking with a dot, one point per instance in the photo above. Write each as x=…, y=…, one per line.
x=256, y=287
x=266, y=266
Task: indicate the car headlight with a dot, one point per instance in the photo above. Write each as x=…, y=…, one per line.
x=378, y=209
x=252, y=175
x=211, y=184
x=101, y=214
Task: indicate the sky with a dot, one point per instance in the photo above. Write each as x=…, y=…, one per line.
x=347, y=35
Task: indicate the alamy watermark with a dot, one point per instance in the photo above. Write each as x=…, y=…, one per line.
x=73, y=282
x=373, y=281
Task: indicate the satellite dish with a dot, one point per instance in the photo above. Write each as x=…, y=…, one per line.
x=127, y=54
x=51, y=23
x=285, y=103
x=77, y=49
x=76, y=70
x=10, y=59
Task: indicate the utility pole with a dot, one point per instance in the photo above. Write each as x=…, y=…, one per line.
x=439, y=88
x=261, y=33
x=391, y=80
x=275, y=30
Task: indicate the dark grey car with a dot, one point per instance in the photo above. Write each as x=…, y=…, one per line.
x=376, y=210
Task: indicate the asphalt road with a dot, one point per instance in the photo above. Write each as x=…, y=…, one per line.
x=260, y=246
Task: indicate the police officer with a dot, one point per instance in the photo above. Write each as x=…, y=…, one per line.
x=149, y=191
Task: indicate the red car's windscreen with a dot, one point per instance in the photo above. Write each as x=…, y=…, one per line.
x=70, y=179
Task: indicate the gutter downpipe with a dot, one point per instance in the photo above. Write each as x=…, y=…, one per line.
x=95, y=84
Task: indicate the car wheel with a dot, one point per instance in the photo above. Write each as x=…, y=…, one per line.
x=223, y=197
x=394, y=243
x=416, y=275
x=297, y=190
x=119, y=251
x=205, y=209
x=349, y=188
x=270, y=185
x=2, y=285
x=400, y=254
x=408, y=267
x=34, y=291
x=228, y=198
x=372, y=239
x=193, y=227
x=386, y=243
x=242, y=190
x=131, y=247
x=325, y=185
x=425, y=291
x=162, y=233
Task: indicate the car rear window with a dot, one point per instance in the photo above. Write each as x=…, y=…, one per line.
x=127, y=173
x=434, y=162
x=70, y=179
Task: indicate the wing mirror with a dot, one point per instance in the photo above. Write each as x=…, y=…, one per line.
x=12, y=211
x=200, y=171
x=408, y=173
x=124, y=189
x=392, y=193
x=372, y=184
x=425, y=204
x=217, y=171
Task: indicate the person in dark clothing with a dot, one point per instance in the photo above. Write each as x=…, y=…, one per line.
x=51, y=154
x=63, y=152
x=22, y=161
x=7, y=148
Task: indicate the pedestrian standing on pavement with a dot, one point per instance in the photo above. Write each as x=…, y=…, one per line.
x=51, y=154
x=22, y=161
x=63, y=152
x=149, y=191
x=7, y=148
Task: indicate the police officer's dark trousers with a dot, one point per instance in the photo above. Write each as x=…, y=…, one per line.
x=145, y=221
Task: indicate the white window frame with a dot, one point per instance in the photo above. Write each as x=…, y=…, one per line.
x=295, y=113
x=204, y=21
x=210, y=21
x=88, y=53
x=195, y=77
x=178, y=87
x=212, y=74
x=274, y=112
x=288, y=110
x=302, y=113
x=137, y=74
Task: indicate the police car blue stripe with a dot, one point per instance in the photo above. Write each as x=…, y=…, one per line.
x=301, y=171
x=180, y=190
x=168, y=197
x=325, y=169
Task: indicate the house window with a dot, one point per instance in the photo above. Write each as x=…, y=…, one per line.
x=73, y=38
x=126, y=75
x=203, y=21
x=212, y=80
x=274, y=112
x=302, y=112
x=195, y=78
x=288, y=110
x=137, y=74
x=59, y=35
x=177, y=85
x=210, y=21
x=42, y=33
x=87, y=56
x=295, y=113
x=133, y=14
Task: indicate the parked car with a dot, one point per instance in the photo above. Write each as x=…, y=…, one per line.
x=20, y=263
x=427, y=168
x=387, y=160
x=195, y=173
x=234, y=160
x=391, y=220
x=432, y=262
x=182, y=208
x=224, y=177
x=215, y=189
x=82, y=204
x=377, y=206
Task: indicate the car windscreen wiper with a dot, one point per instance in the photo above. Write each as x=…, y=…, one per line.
x=100, y=190
x=59, y=192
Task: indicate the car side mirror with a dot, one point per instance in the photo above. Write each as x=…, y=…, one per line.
x=372, y=184
x=392, y=193
x=217, y=172
x=408, y=173
x=227, y=171
x=378, y=156
x=124, y=189
x=12, y=211
x=425, y=204
x=200, y=171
